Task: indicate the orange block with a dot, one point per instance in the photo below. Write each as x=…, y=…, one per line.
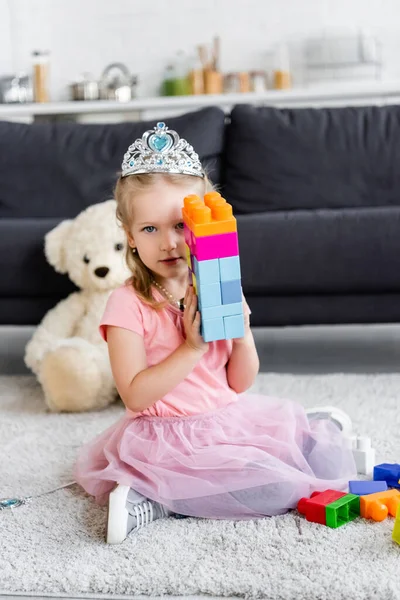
x=377, y=506
x=210, y=216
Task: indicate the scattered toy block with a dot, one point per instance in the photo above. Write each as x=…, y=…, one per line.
x=396, y=528
x=364, y=454
x=314, y=508
x=364, y=488
x=388, y=472
x=377, y=506
x=342, y=511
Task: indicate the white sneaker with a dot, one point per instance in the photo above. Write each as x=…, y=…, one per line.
x=338, y=416
x=128, y=510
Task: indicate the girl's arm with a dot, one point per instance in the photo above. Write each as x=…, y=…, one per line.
x=243, y=364
x=141, y=386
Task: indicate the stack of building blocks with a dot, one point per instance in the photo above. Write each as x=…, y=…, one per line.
x=389, y=472
x=331, y=508
x=212, y=251
x=396, y=528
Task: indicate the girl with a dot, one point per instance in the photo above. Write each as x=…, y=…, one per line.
x=191, y=442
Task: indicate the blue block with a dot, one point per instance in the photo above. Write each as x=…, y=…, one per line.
x=389, y=472
x=209, y=295
x=363, y=488
x=212, y=329
x=234, y=327
x=229, y=268
x=223, y=310
x=206, y=271
x=231, y=291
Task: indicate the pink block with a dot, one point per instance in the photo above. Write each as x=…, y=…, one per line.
x=216, y=246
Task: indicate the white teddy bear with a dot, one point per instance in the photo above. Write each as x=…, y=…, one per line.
x=66, y=352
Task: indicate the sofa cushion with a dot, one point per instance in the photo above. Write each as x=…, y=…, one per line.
x=328, y=309
x=323, y=251
x=58, y=169
x=301, y=252
x=285, y=159
x=23, y=265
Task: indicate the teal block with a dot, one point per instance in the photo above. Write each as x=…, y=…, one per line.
x=223, y=310
x=234, y=327
x=209, y=295
x=206, y=271
x=231, y=291
x=229, y=268
x=212, y=329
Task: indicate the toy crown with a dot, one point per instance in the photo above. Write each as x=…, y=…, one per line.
x=161, y=151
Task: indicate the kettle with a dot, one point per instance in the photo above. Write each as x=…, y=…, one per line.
x=117, y=83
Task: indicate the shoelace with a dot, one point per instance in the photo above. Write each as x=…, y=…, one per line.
x=144, y=513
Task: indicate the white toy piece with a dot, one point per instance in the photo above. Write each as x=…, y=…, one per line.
x=364, y=454
x=66, y=352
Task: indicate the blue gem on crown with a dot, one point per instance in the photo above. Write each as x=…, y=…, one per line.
x=161, y=150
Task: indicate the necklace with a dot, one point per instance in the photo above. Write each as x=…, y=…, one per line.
x=178, y=303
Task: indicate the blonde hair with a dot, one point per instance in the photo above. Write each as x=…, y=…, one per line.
x=126, y=189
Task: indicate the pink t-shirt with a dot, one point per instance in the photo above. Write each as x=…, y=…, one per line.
x=205, y=388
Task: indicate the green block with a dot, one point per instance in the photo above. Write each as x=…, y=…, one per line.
x=342, y=511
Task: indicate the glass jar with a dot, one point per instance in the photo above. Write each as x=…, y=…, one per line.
x=41, y=61
x=258, y=82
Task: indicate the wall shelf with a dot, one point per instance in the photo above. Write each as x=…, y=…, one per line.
x=326, y=94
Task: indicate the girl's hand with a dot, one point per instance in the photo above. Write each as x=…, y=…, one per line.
x=191, y=322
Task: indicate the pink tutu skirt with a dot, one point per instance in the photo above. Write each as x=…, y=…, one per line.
x=255, y=457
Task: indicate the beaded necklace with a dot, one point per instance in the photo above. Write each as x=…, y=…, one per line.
x=178, y=303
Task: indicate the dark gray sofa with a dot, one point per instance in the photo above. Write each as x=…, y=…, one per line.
x=316, y=193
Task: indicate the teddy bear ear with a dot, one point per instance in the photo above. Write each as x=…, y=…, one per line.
x=55, y=243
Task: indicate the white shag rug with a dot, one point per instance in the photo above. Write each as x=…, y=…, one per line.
x=55, y=545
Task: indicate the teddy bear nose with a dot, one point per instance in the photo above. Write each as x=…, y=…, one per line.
x=101, y=271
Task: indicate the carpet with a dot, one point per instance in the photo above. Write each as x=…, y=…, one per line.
x=55, y=544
